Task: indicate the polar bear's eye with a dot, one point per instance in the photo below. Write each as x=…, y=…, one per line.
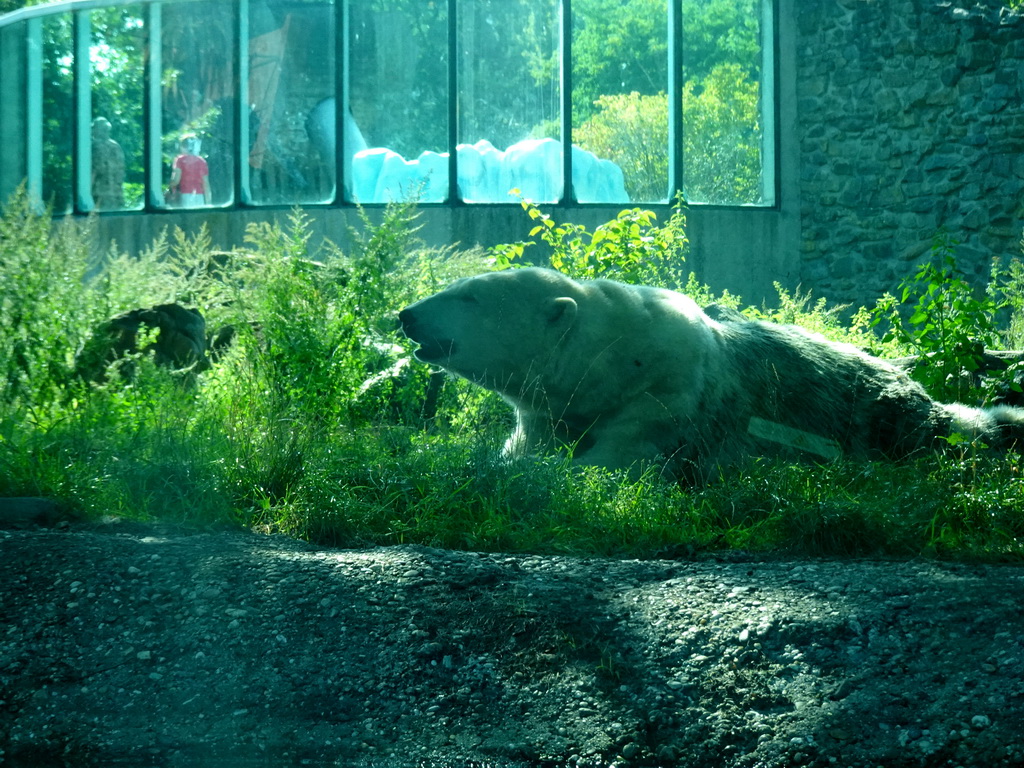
x=468, y=299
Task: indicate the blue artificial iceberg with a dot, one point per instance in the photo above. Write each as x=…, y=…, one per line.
x=486, y=175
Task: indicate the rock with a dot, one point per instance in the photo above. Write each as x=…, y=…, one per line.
x=180, y=341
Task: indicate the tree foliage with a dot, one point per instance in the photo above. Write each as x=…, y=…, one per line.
x=721, y=139
x=631, y=130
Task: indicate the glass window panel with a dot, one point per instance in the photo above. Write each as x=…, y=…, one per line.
x=58, y=106
x=199, y=104
x=116, y=56
x=13, y=109
x=723, y=102
x=620, y=102
x=397, y=126
x=291, y=90
x=509, y=100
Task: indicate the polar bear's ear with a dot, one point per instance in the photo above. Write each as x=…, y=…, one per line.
x=562, y=311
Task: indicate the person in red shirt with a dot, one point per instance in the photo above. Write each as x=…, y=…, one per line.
x=191, y=176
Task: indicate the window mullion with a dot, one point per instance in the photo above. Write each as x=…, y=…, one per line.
x=243, y=190
x=453, y=102
x=675, y=98
x=342, y=167
x=152, y=137
x=769, y=112
x=81, y=153
x=566, y=85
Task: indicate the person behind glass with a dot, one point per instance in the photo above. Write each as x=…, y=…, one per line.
x=190, y=177
x=107, y=168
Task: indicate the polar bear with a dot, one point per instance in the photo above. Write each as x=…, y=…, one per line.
x=625, y=376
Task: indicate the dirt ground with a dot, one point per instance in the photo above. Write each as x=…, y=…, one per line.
x=142, y=645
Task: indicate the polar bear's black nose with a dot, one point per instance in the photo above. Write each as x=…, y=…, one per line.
x=406, y=321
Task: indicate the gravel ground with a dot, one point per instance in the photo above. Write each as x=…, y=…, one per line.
x=129, y=644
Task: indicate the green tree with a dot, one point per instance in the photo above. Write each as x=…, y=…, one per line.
x=722, y=137
x=618, y=48
x=717, y=32
x=632, y=131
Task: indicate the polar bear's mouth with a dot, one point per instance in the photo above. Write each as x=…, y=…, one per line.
x=435, y=350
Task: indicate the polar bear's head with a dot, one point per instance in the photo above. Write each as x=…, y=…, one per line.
x=497, y=329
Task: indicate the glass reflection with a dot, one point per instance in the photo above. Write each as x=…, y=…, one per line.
x=509, y=100
x=619, y=99
x=397, y=116
x=199, y=102
x=116, y=54
x=291, y=72
x=723, y=132
x=184, y=110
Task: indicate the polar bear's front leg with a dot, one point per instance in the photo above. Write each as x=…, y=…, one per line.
x=534, y=434
x=618, y=445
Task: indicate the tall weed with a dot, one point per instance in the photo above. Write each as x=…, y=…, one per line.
x=43, y=309
x=948, y=325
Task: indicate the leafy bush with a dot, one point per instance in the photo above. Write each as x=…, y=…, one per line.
x=950, y=327
x=799, y=308
x=722, y=137
x=316, y=354
x=632, y=247
x=40, y=301
x=1011, y=289
x=631, y=130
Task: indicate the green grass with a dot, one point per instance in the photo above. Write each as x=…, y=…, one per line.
x=285, y=435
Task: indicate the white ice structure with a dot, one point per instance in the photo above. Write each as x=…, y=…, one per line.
x=486, y=174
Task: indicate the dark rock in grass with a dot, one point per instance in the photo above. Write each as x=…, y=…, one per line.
x=179, y=343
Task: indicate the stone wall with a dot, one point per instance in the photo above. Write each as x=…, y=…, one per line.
x=910, y=120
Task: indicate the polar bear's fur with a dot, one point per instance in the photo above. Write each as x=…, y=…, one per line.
x=626, y=375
